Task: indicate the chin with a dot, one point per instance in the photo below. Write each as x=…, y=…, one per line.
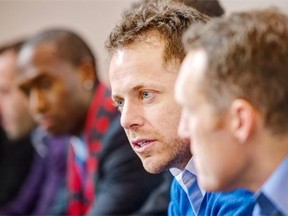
x=211, y=184
x=153, y=166
x=54, y=132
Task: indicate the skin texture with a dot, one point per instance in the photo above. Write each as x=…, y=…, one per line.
x=55, y=89
x=142, y=89
x=15, y=117
x=221, y=158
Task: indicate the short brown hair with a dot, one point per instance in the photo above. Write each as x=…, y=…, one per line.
x=169, y=21
x=247, y=58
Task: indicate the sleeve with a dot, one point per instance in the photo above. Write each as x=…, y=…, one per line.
x=122, y=184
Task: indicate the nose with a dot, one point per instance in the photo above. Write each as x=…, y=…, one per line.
x=37, y=101
x=131, y=116
x=183, y=129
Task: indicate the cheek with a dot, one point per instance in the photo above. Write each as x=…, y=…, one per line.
x=165, y=114
x=209, y=166
x=56, y=101
x=218, y=162
x=203, y=147
x=170, y=118
x=23, y=100
x=13, y=103
x=60, y=96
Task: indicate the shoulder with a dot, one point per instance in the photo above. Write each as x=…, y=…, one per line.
x=179, y=204
x=237, y=202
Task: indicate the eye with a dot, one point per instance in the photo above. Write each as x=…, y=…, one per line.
x=146, y=95
x=25, y=90
x=45, y=84
x=119, y=103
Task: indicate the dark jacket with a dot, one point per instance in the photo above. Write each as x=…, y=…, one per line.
x=112, y=180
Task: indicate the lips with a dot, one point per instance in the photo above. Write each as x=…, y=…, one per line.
x=141, y=145
x=46, y=122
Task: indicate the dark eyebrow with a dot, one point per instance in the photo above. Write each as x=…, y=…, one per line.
x=34, y=80
x=40, y=77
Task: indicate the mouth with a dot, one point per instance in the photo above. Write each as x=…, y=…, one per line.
x=46, y=122
x=142, y=145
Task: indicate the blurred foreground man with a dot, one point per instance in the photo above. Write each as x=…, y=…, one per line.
x=234, y=93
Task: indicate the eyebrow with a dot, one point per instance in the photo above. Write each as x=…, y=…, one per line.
x=134, y=89
x=115, y=97
x=34, y=79
x=40, y=77
x=138, y=87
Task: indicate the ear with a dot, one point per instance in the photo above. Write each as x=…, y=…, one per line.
x=243, y=119
x=87, y=74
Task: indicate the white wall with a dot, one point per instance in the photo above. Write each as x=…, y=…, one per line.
x=93, y=19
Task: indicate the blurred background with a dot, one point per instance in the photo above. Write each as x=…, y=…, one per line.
x=93, y=19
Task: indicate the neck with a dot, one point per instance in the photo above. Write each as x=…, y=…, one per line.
x=267, y=156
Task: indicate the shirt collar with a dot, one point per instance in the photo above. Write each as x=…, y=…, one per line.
x=190, y=167
x=275, y=188
x=177, y=173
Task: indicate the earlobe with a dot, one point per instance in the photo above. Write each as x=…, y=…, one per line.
x=87, y=75
x=243, y=119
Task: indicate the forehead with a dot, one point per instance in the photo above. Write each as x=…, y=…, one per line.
x=7, y=62
x=141, y=65
x=191, y=75
x=38, y=54
x=40, y=60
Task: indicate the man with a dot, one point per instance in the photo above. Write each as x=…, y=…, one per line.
x=233, y=89
x=26, y=172
x=15, y=119
x=58, y=75
x=146, y=53
x=16, y=123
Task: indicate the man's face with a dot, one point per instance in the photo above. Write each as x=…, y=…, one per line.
x=15, y=117
x=53, y=88
x=219, y=161
x=142, y=89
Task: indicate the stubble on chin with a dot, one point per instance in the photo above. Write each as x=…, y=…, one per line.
x=176, y=158
x=154, y=166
